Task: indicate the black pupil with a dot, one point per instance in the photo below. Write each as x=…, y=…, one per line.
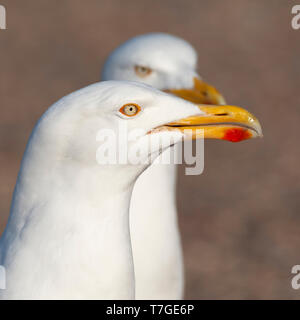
x=131, y=109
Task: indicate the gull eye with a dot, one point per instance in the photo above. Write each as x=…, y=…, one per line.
x=142, y=71
x=130, y=109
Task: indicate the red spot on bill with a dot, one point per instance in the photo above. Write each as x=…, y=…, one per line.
x=236, y=135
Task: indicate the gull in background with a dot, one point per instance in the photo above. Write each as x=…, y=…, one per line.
x=167, y=63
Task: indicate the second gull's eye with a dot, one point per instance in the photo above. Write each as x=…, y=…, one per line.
x=142, y=71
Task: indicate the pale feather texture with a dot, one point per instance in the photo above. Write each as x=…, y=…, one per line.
x=68, y=232
x=172, y=60
x=153, y=215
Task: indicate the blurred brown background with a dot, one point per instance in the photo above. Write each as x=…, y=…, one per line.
x=240, y=219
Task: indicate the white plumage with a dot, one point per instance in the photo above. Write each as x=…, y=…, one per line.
x=168, y=63
x=68, y=232
x=153, y=214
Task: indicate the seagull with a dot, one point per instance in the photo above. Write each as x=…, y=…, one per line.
x=68, y=233
x=167, y=63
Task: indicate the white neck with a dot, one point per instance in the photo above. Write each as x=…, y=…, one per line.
x=68, y=233
x=155, y=236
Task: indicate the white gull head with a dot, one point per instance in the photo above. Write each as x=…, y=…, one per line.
x=68, y=232
x=158, y=59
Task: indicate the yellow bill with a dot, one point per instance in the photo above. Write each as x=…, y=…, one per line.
x=229, y=123
x=201, y=93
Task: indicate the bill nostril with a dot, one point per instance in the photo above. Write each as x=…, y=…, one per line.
x=205, y=93
x=221, y=114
